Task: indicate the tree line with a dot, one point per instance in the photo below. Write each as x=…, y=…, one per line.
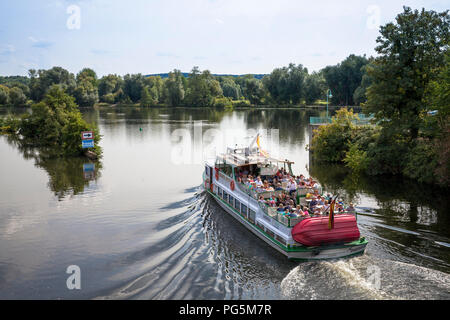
x=291, y=85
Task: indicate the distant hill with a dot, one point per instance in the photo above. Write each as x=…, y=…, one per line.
x=186, y=75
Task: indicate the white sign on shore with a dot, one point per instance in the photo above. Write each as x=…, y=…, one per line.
x=85, y=135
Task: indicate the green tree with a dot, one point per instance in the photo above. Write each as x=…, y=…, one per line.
x=86, y=91
x=108, y=87
x=254, y=90
x=230, y=88
x=173, y=91
x=17, y=98
x=344, y=78
x=202, y=88
x=42, y=80
x=314, y=87
x=133, y=85
x=359, y=96
x=146, y=99
x=4, y=95
x=56, y=122
x=287, y=85
x=410, y=53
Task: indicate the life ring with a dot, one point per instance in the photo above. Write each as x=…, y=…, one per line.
x=232, y=185
x=217, y=174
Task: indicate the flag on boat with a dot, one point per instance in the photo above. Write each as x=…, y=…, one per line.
x=331, y=215
x=264, y=153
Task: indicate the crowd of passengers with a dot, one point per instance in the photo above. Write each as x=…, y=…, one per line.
x=275, y=182
x=286, y=204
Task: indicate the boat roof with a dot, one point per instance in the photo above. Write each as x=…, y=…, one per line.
x=249, y=156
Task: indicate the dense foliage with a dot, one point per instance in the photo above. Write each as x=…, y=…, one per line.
x=55, y=123
x=292, y=85
x=408, y=88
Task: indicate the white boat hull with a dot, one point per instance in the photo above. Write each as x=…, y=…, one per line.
x=316, y=253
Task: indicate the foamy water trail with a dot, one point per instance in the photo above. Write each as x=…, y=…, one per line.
x=365, y=277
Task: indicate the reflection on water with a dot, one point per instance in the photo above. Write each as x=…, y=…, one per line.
x=141, y=227
x=67, y=176
x=409, y=217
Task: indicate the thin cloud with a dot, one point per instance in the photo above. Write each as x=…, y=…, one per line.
x=100, y=51
x=42, y=44
x=7, y=50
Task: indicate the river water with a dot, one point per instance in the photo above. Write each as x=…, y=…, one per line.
x=140, y=226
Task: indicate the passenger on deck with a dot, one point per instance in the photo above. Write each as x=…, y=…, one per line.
x=320, y=201
x=278, y=186
x=312, y=204
x=267, y=187
x=305, y=211
x=326, y=207
x=259, y=182
x=351, y=208
x=292, y=186
x=316, y=193
x=271, y=202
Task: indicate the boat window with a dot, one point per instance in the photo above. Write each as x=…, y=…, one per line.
x=224, y=167
x=251, y=216
x=219, y=192
x=270, y=232
x=280, y=240
x=207, y=171
x=225, y=196
x=237, y=205
x=244, y=209
x=259, y=224
x=230, y=200
x=227, y=169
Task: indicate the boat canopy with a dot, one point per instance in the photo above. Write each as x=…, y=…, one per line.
x=239, y=157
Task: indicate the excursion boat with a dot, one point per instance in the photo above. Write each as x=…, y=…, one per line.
x=297, y=238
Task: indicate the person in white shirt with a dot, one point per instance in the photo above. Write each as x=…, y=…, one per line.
x=259, y=182
x=292, y=186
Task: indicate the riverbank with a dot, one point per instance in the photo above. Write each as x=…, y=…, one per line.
x=316, y=106
x=373, y=150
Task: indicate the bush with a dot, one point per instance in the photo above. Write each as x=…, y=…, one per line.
x=356, y=159
x=387, y=154
x=223, y=102
x=4, y=95
x=17, y=98
x=421, y=162
x=241, y=103
x=108, y=98
x=56, y=122
x=332, y=142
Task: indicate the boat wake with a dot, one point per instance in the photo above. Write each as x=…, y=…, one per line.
x=364, y=278
x=198, y=251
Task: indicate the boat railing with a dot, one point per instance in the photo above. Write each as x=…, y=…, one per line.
x=273, y=213
x=301, y=192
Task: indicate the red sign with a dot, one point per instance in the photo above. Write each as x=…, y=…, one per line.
x=86, y=135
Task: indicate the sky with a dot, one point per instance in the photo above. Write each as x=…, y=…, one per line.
x=223, y=36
